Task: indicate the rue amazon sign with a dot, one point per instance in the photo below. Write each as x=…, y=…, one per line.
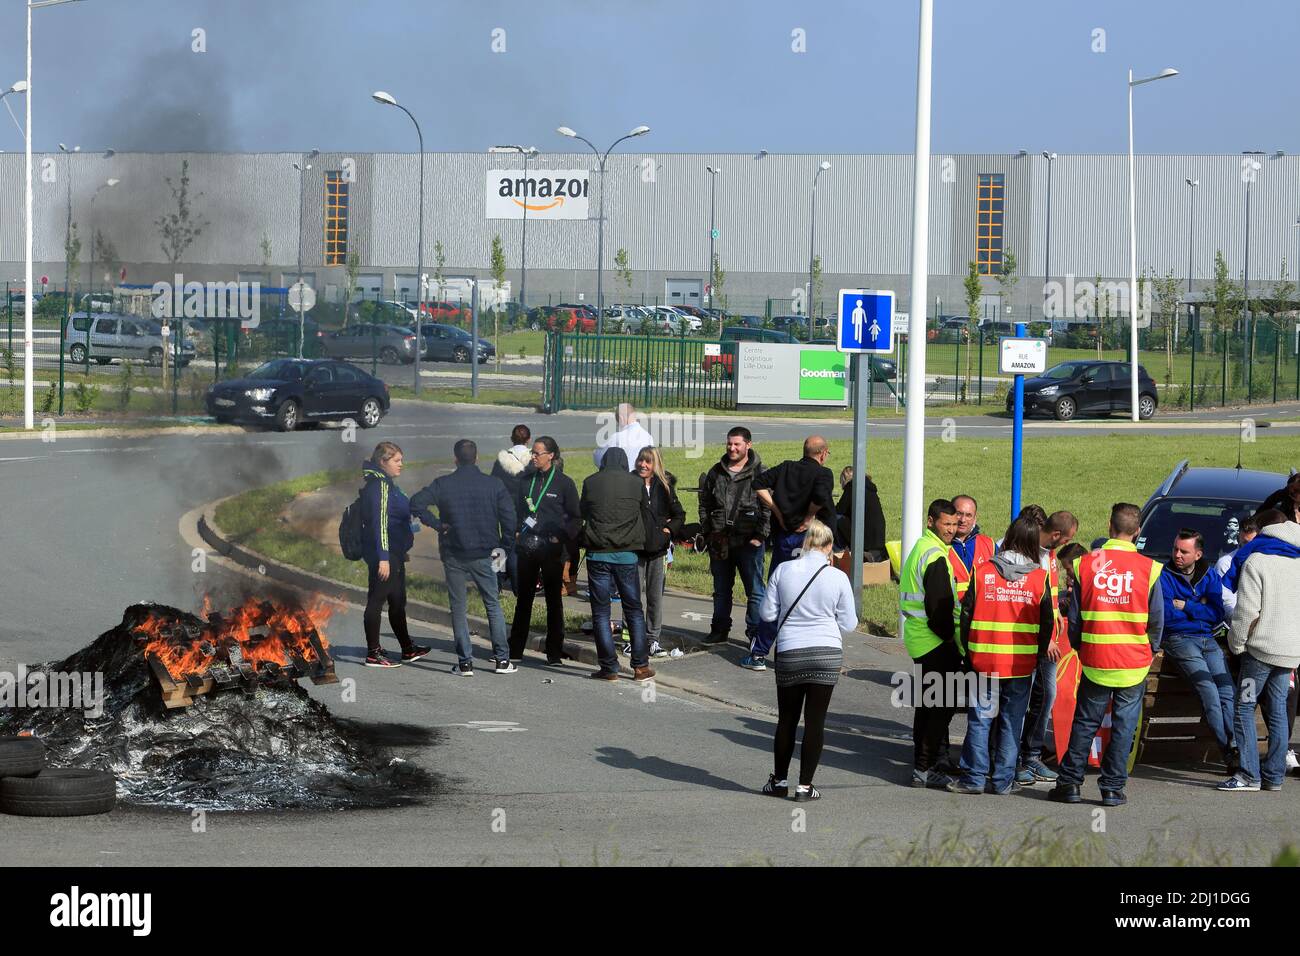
x=1018, y=356
x=548, y=193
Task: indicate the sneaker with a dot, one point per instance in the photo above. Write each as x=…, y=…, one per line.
x=463, y=670
x=960, y=786
x=1113, y=798
x=945, y=765
x=1024, y=777
x=657, y=649
x=643, y=674
x=1012, y=788
x=603, y=675
x=379, y=660
x=932, y=779
x=1237, y=784
x=804, y=794
x=1292, y=761
x=754, y=662
x=776, y=788
x=625, y=649
x=714, y=638
x=1039, y=771
x=416, y=652
x=1265, y=785
x=557, y=662
x=505, y=667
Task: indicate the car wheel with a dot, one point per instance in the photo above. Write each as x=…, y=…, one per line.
x=286, y=416
x=461, y=354
x=388, y=355
x=534, y=327
x=1065, y=410
x=155, y=356
x=1146, y=406
x=77, y=353
x=371, y=412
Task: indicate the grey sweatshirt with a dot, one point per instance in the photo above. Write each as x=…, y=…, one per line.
x=1268, y=604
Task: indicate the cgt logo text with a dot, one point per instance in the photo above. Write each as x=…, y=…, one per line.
x=75, y=909
x=1112, y=582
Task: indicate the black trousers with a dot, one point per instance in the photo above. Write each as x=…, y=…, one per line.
x=812, y=700
x=392, y=593
x=929, y=723
x=551, y=568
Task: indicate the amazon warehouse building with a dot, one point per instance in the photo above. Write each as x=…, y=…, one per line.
x=1065, y=216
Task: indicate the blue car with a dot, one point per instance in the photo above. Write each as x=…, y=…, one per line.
x=448, y=343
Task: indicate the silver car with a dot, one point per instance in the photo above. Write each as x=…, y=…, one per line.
x=107, y=336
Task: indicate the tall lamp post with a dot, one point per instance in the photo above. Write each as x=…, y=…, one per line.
x=527, y=152
x=1047, y=250
x=379, y=96
x=1191, y=320
x=1251, y=166
x=713, y=189
x=812, y=243
x=302, y=177
x=600, y=227
x=1132, y=242
x=19, y=87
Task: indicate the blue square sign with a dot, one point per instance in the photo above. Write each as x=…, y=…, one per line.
x=866, y=321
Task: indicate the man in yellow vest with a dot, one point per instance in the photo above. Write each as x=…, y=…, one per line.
x=1116, y=623
x=928, y=603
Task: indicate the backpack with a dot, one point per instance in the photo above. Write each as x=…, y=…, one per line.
x=350, y=531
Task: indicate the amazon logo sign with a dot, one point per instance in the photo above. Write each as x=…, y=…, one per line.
x=544, y=193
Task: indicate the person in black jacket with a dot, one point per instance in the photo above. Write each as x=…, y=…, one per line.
x=548, y=514
x=873, y=521
x=476, y=524
x=387, y=533
x=1286, y=499
x=513, y=467
x=667, y=518
x=614, y=512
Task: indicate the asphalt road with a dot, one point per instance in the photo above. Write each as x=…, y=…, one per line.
x=583, y=773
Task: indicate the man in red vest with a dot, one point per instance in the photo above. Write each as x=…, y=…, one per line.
x=1117, y=623
x=969, y=545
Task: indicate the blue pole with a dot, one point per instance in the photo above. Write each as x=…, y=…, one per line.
x=1017, y=435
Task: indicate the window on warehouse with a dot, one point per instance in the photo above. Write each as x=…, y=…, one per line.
x=336, y=219
x=988, y=223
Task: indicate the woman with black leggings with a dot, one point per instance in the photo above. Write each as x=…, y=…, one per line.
x=812, y=603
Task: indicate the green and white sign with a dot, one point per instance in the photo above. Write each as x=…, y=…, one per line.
x=822, y=376
x=793, y=375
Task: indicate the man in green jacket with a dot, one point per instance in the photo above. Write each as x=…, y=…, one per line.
x=928, y=603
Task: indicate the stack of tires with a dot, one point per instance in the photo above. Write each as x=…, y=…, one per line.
x=28, y=788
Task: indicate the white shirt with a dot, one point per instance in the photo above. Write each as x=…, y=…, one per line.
x=631, y=438
x=825, y=610
x=1229, y=595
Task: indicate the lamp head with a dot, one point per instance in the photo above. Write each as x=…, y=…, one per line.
x=379, y=96
x=19, y=87
x=1192, y=182
x=313, y=154
x=111, y=182
x=714, y=169
x=565, y=131
x=1167, y=72
x=824, y=165
x=639, y=131
x=1048, y=156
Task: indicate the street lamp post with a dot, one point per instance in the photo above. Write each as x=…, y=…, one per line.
x=379, y=96
x=1132, y=242
x=1047, y=251
x=812, y=243
x=526, y=152
x=67, y=272
x=1191, y=321
x=1248, y=352
x=600, y=227
x=713, y=188
x=302, y=169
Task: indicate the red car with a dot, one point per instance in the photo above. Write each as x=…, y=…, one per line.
x=565, y=319
x=447, y=312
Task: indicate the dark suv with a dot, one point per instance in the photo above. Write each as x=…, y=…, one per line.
x=1213, y=501
x=287, y=392
x=1086, y=386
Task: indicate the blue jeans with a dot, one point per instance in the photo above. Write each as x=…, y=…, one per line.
x=1202, y=663
x=1268, y=685
x=460, y=571
x=999, y=711
x=603, y=578
x=783, y=545
x=1089, y=710
x=1041, y=698
x=748, y=561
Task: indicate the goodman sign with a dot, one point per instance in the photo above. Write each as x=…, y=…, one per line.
x=547, y=193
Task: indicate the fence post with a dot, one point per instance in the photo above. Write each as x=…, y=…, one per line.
x=981, y=361
x=1192, y=323
x=956, y=370
x=1277, y=357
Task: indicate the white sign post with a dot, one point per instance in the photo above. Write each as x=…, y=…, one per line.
x=302, y=298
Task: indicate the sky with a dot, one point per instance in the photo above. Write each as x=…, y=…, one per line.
x=789, y=76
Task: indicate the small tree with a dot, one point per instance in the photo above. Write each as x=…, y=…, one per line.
x=266, y=252
x=498, y=283
x=1165, y=295
x=1226, y=298
x=72, y=251
x=1102, y=311
x=351, y=267
x=971, y=286
x=104, y=251
x=815, y=292
x=177, y=231
x=1007, y=278
x=623, y=271
x=439, y=263
x=718, y=283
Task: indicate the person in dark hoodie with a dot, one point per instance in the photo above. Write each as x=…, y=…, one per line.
x=513, y=467
x=873, y=520
x=615, y=514
x=387, y=533
x=548, y=514
x=667, y=519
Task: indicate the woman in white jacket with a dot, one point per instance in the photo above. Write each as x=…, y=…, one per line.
x=812, y=603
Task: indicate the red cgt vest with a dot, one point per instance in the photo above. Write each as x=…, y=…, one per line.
x=1005, y=622
x=1114, y=597
x=984, y=549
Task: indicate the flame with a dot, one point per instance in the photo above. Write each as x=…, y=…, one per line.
x=263, y=631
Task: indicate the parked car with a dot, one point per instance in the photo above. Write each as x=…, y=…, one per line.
x=671, y=319
x=384, y=312
x=1213, y=501
x=286, y=392
x=563, y=318
x=391, y=344
x=114, y=336
x=1088, y=387
x=447, y=343
x=724, y=364
x=622, y=318
x=458, y=312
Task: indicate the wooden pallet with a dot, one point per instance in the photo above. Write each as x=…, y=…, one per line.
x=1173, y=726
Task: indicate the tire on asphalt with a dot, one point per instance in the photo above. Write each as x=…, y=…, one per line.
x=59, y=792
x=21, y=756
x=388, y=355
x=286, y=416
x=371, y=413
x=1066, y=409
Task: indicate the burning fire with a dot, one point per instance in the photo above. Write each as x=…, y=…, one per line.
x=257, y=633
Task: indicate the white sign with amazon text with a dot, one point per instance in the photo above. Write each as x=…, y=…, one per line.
x=1018, y=356
x=548, y=193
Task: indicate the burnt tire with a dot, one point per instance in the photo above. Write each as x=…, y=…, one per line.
x=21, y=756
x=59, y=792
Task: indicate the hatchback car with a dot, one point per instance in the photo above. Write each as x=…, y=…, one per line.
x=287, y=392
x=1213, y=501
x=1087, y=387
x=125, y=337
x=447, y=343
x=390, y=344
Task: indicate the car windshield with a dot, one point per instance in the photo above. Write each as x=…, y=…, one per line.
x=280, y=370
x=1063, y=371
x=1218, y=520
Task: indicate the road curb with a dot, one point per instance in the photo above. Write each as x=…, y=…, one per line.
x=127, y=432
